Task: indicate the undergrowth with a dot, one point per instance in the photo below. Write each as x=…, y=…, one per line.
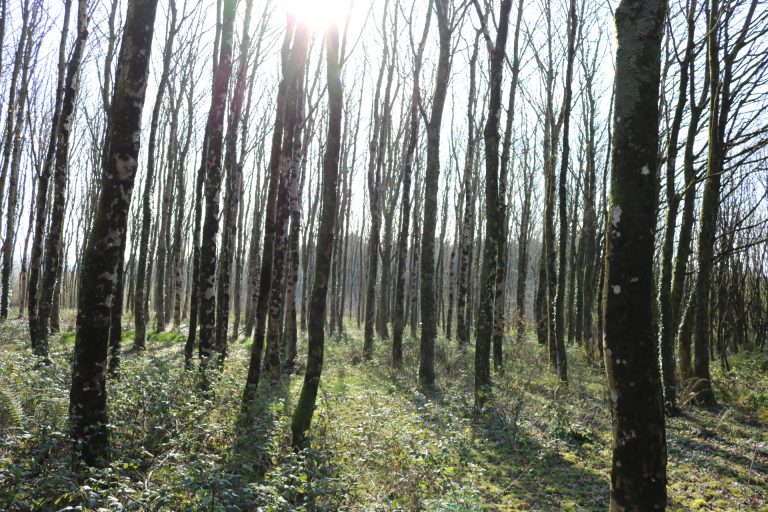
x=378, y=443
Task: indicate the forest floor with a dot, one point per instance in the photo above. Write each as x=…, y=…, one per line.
x=377, y=442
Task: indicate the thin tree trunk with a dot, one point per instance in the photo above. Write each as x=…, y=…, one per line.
x=305, y=407
x=431, y=184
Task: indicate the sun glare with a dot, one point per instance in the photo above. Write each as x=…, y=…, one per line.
x=319, y=14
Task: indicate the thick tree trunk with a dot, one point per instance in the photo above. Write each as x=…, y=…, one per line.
x=88, y=394
x=638, y=472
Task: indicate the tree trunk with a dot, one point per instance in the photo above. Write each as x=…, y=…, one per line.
x=493, y=211
x=142, y=279
x=431, y=184
x=562, y=362
x=53, y=242
x=213, y=158
x=305, y=407
x=234, y=171
x=88, y=398
x=638, y=472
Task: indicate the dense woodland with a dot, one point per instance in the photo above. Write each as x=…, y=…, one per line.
x=518, y=250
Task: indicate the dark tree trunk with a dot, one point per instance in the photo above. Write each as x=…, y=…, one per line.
x=53, y=242
x=638, y=472
x=234, y=171
x=562, y=362
x=41, y=200
x=666, y=323
x=142, y=277
x=213, y=158
x=88, y=394
x=494, y=230
x=398, y=326
x=270, y=221
x=290, y=159
x=431, y=184
x=305, y=407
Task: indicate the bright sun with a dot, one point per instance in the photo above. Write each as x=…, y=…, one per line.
x=319, y=14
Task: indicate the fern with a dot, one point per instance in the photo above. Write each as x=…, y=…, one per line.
x=11, y=413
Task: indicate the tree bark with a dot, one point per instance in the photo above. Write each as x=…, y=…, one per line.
x=213, y=158
x=493, y=211
x=431, y=184
x=305, y=407
x=53, y=242
x=638, y=472
x=88, y=394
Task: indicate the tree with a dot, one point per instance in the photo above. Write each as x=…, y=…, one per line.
x=140, y=314
x=41, y=199
x=53, y=241
x=88, y=393
x=431, y=184
x=405, y=205
x=720, y=101
x=638, y=471
x=302, y=416
x=292, y=64
x=559, y=303
x=666, y=324
x=493, y=213
x=213, y=157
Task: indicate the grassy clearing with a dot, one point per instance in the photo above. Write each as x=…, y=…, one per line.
x=378, y=443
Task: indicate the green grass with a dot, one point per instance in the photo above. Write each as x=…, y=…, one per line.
x=377, y=442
